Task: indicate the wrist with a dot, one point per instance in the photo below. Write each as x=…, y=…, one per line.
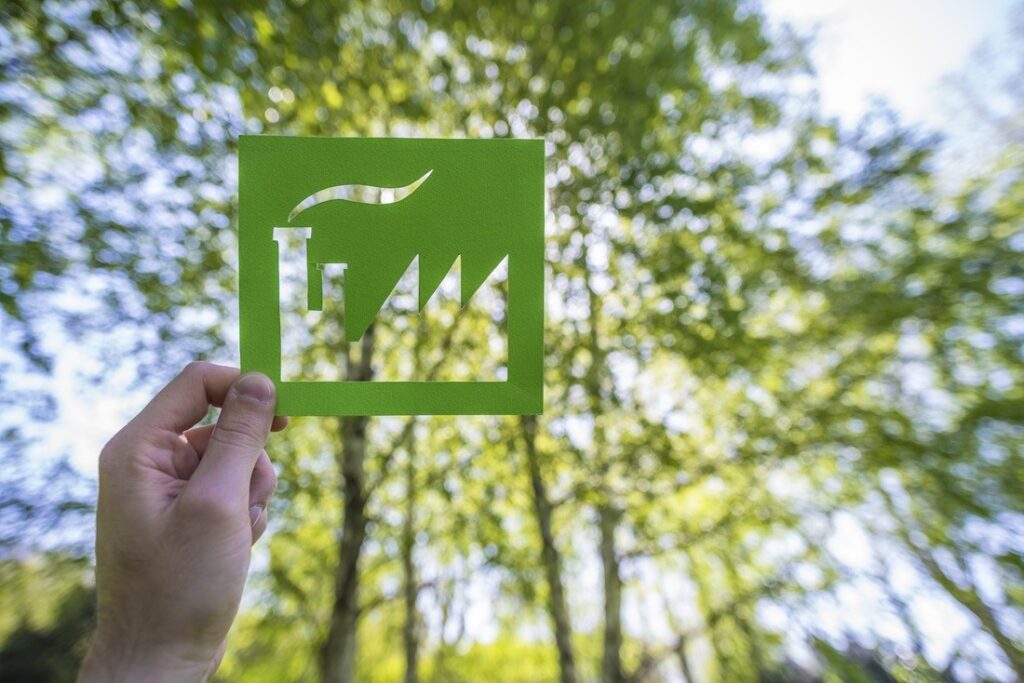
x=114, y=659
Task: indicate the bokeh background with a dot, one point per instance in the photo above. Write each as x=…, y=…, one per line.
x=784, y=422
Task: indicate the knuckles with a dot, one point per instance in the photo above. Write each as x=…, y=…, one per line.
x=111, y=454
x=196, y=368
x=107, y=460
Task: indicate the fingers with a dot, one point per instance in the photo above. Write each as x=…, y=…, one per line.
x=262, y=484
x=235, y=444
x=186, y=400
x=259, y=524
x=264, y=478
x=261, y=488
x=199, y=438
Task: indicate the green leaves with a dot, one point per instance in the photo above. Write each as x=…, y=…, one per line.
x=756, y=319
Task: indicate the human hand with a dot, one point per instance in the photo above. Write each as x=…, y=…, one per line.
x=179, y=509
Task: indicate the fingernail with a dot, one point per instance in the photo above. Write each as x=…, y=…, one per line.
x=256, y=386
x=254, y=514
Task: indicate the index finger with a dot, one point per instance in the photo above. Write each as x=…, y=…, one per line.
x=187, y=399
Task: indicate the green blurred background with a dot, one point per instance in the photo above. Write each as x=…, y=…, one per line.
x=784, y=412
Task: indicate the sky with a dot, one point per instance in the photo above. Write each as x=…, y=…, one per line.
x=900, y=50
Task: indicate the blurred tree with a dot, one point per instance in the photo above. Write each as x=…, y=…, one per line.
x=755, y=320
x=48, y=613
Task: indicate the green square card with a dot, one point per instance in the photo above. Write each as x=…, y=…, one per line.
x=370, y=206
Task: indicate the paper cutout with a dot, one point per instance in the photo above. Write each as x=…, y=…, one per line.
x=467, y=343
x=372, y=207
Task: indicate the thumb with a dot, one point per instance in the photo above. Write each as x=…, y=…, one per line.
x=237, y=440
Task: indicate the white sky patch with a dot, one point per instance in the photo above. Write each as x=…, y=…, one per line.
x=896, y=49
x=89, y=414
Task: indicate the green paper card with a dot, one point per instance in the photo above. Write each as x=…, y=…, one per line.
x=371, y=207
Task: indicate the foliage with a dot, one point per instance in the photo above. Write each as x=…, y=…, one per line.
x=760, y=327
x=48, y=613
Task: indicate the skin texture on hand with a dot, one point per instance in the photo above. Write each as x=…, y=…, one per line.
x=179, y=509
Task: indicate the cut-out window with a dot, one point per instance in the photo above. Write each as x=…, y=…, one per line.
x=443, y=342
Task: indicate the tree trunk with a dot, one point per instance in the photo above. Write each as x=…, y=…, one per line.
x=682, y=640
x=707, y=611
x=608, y=516
x=611, y=660
x=741, y=612
x=410, y=634
x=550, y=557
x=684, y=660
x=446, y=593
x=338, y=655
